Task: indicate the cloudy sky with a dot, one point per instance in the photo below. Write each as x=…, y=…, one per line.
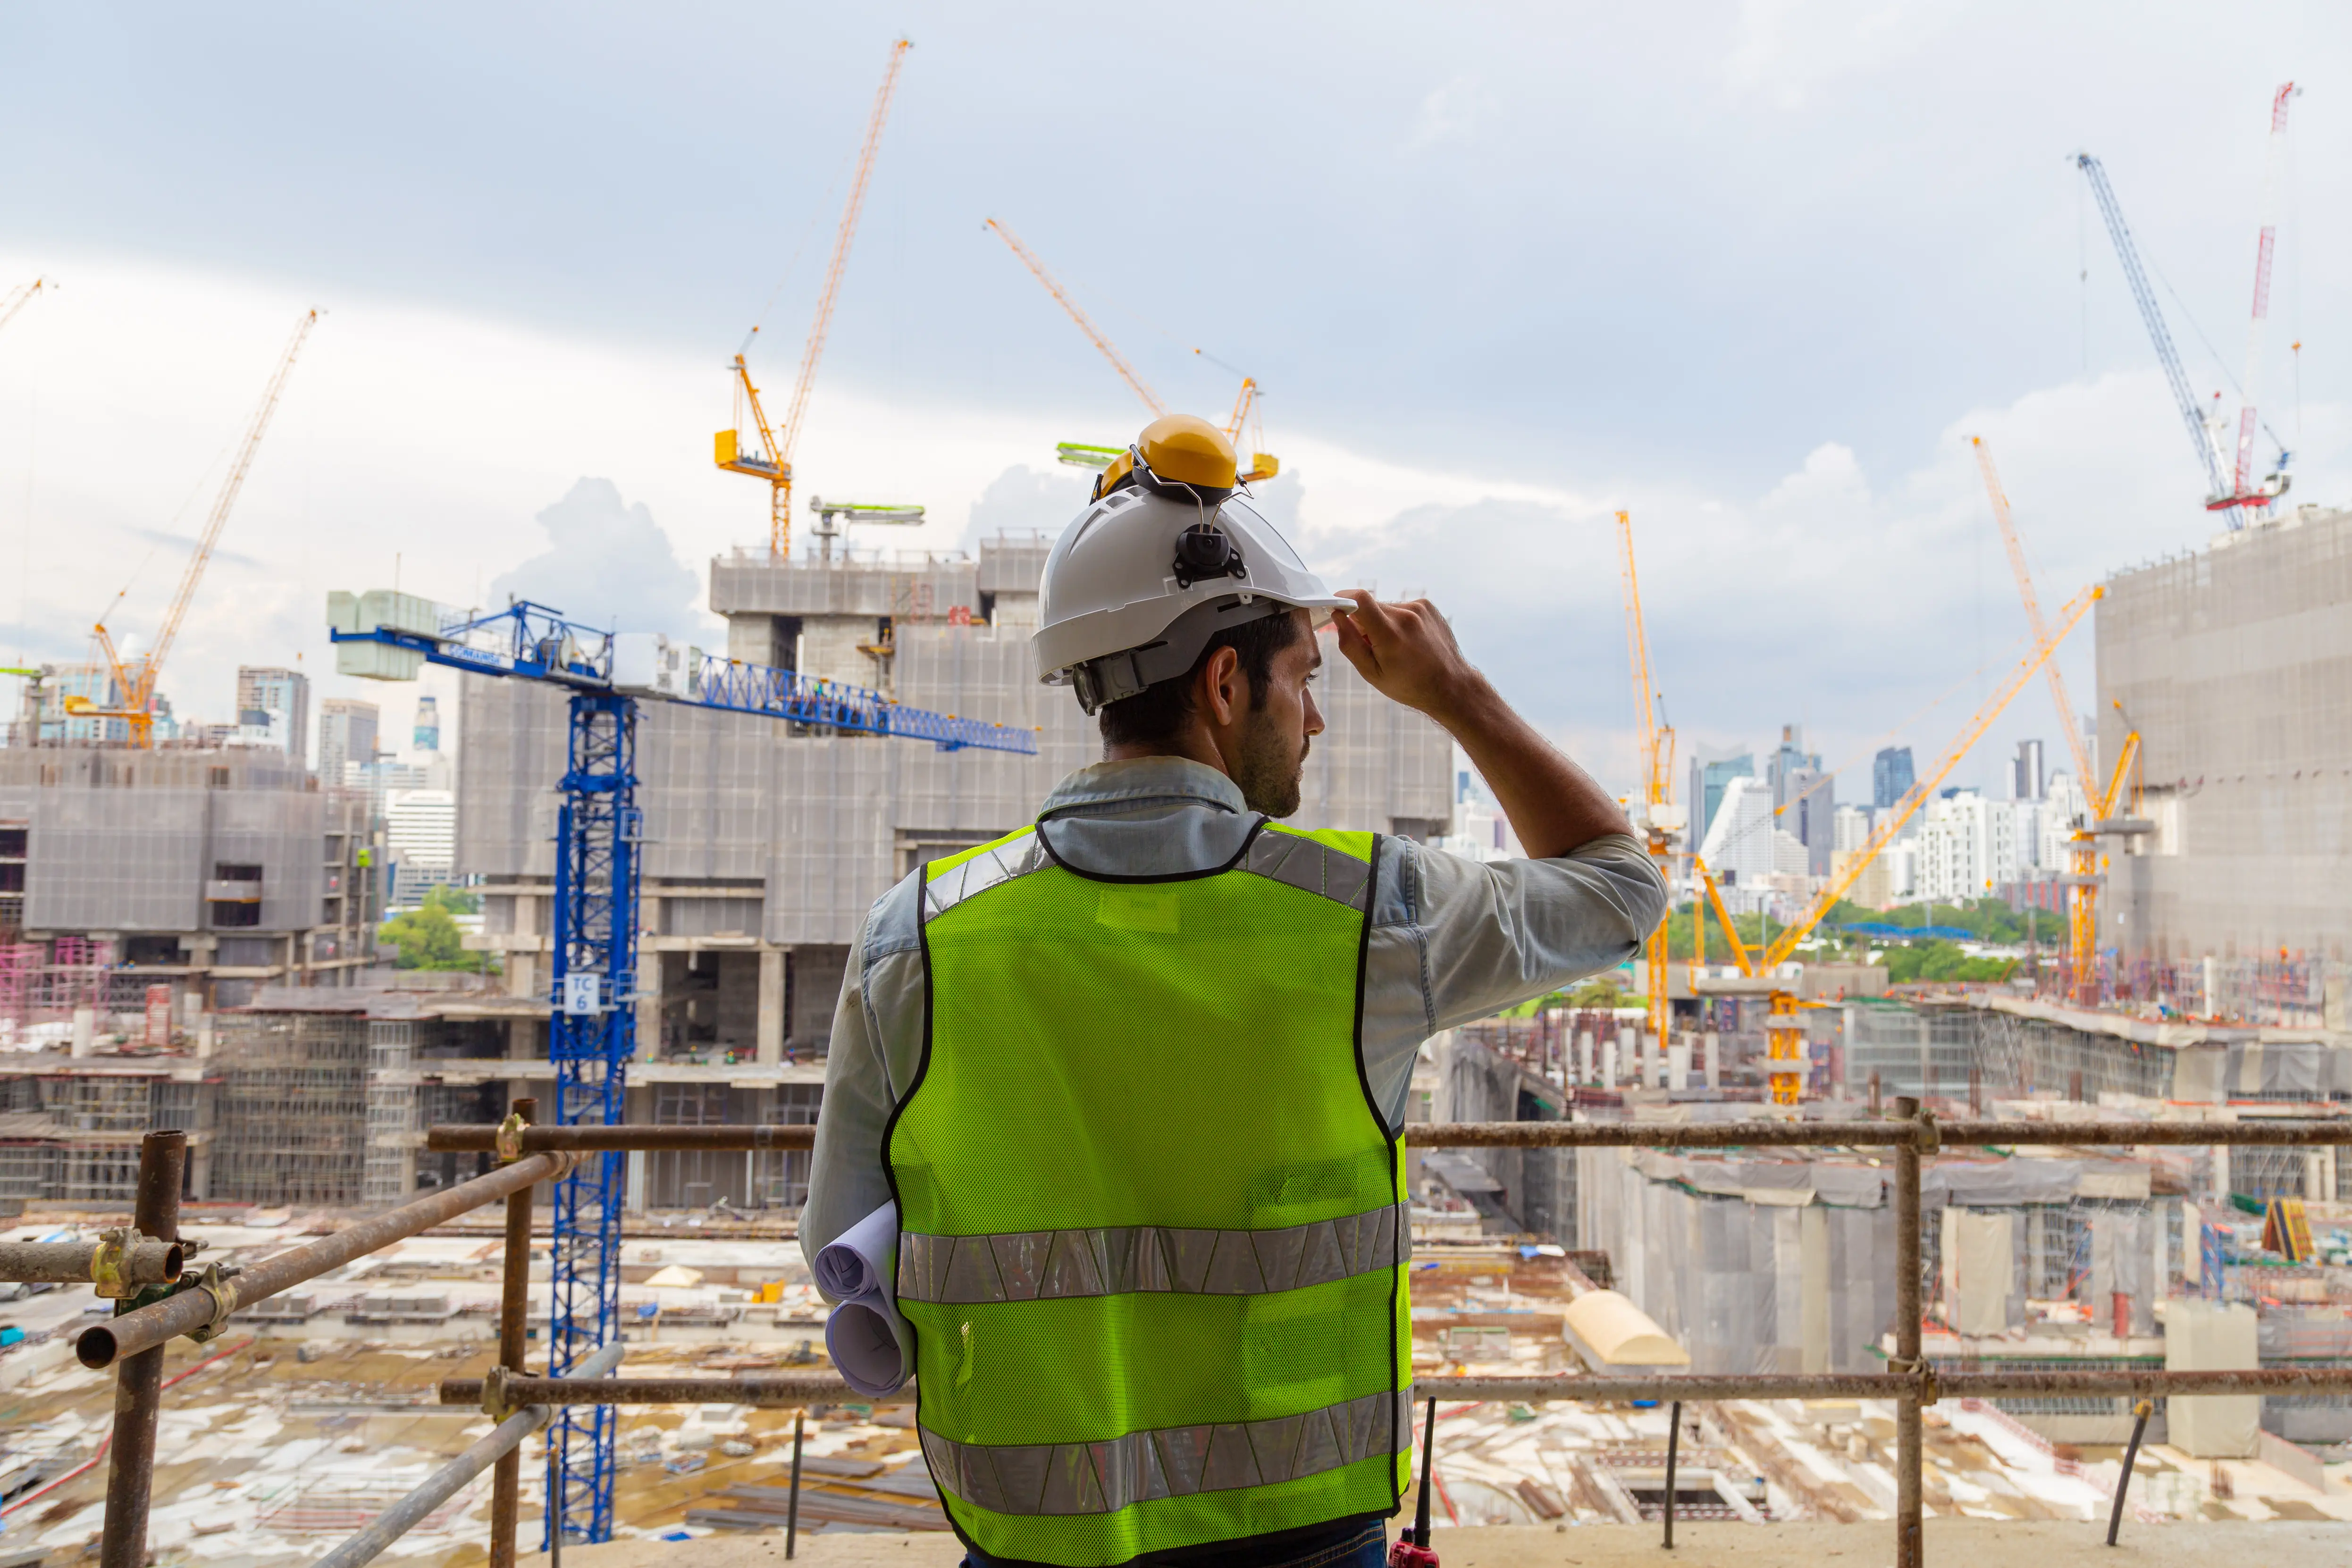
x=1755, y=272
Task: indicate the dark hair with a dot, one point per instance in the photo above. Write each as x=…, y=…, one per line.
x=1153, y=715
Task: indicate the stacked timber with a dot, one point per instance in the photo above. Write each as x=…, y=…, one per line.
x=833, y=1490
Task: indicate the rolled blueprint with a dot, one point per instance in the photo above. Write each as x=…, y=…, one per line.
x=867, y=1338
x=860, y=1261
x=868, y=1342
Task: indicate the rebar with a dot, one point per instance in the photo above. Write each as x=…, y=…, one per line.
x=138, y=1383
x=2140, y=1412
x=1674, y=1452
x=792, y=1508
x=194, y=1308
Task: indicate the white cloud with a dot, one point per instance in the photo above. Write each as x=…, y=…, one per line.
x=608, y=565
x=426, y=442
x=1448, y=113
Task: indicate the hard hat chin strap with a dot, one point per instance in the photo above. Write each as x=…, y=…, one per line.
x=1117, y=676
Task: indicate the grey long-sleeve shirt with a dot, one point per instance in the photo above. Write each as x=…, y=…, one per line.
x=1452, y=940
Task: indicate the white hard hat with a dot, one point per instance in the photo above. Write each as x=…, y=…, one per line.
x=1134, y=590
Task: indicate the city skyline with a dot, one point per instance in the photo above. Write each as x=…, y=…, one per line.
x=1793, y=435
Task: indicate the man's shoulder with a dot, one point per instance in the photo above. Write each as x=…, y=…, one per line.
x=895, y=921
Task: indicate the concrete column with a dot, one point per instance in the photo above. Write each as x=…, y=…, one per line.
x=522, y=1040
x=770, y=1038
x=635, y=1202
x=1712, y=1043
x=1609, y=1049
x=1678, y=1064
x=649, y=1005
x=1585, y=1056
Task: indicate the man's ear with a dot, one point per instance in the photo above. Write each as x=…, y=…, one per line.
x=1222, y=691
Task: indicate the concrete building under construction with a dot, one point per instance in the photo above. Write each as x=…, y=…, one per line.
x=2234, y=666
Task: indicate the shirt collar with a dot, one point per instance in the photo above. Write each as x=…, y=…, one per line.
x=1174, y=779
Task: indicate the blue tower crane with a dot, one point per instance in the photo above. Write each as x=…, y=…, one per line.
x=592, y=1027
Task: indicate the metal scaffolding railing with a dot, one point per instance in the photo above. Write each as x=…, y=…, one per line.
x=199, y=1304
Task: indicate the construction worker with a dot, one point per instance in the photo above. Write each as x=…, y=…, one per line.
x=1135, y=1075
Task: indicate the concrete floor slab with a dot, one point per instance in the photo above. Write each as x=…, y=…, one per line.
x=2044, y=1543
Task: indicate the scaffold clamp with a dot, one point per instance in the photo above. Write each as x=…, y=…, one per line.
x=494, y=1393
x=1931, y=1138
x=509, y=1139
x=108, y=1264
x=1924, y=1370
x=214, y=1282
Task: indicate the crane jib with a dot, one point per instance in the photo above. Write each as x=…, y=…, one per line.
x=758, y=690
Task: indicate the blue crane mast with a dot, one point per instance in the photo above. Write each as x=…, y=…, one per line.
x=2225, y=491
x=2200, y=435
x=592, y=1026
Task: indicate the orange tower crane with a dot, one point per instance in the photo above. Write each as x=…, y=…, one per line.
x=1263, y=465
x=1658, y=818
x=2085, y=867
x=1784, y=1027
x=134, y=684
x=772, y=460
x=20, y=296
x=1127, y=372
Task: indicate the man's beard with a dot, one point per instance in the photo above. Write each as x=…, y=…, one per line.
x=1267, y=769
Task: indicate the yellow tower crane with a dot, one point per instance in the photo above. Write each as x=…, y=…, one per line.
x=772, y=459
x=1784, y=1028
x=2085, y=865
x=134, y=683
x=1656, y=817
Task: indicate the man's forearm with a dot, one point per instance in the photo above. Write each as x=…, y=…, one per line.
x=1553, y=805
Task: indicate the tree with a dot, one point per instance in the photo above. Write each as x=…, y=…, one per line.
x=1943, y=961
x=429, y=938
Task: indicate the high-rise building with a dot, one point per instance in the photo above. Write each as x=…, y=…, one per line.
x=1891, y=776
x=2025, y=777
x=1850, y=825
x=261, y=692
x=1968, y=847
x=420, y=833
x=1789, y=759
x=1708, y=775
x=426, y=736
x=347, y=731
x=1738, y=844
x=1810, y=805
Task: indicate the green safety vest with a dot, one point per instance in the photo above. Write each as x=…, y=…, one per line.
x=1153, y=1230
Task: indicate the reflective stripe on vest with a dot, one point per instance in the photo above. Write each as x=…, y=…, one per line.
x=1176, y=1461
x=1110, y=1260
x=1154, y=1229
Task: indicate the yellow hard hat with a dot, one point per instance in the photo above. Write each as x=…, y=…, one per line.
x=1188, y=450
x=1180, y=450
